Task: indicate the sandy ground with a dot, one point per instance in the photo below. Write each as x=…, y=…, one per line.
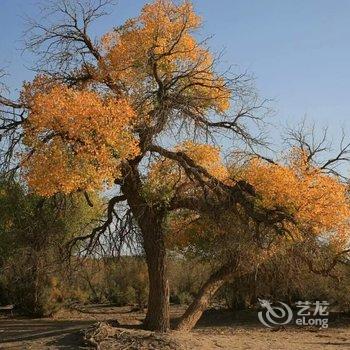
x=216, y=330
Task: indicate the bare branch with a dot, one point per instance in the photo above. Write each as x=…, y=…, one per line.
x=319, y=150
x=94, y=236
x=64, y=45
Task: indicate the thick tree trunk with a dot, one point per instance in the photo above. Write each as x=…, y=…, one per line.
x=202, y=300
x=158, y=316
x=150, y=221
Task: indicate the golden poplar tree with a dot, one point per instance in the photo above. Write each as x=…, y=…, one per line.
x=102, y=113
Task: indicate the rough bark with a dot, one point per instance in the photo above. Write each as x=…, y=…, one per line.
x=158, y=316
x=205, y=294
x=150, y=222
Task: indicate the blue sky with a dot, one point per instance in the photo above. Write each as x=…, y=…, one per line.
x=298, y=50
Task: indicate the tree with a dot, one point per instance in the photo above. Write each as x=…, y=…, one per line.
x=33, y=232
x=100, y=112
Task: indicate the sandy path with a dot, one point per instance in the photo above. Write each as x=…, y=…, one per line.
x=217, y=331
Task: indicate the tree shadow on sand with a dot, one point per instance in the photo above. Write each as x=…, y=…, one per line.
x=22, y=330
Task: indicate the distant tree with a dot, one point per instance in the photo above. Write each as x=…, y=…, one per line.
x=33, y=234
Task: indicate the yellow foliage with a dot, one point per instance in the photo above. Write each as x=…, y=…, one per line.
x=76, y=140
x=160, y=42
x=318, y=201
x=167, y=176
x=207, y=156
